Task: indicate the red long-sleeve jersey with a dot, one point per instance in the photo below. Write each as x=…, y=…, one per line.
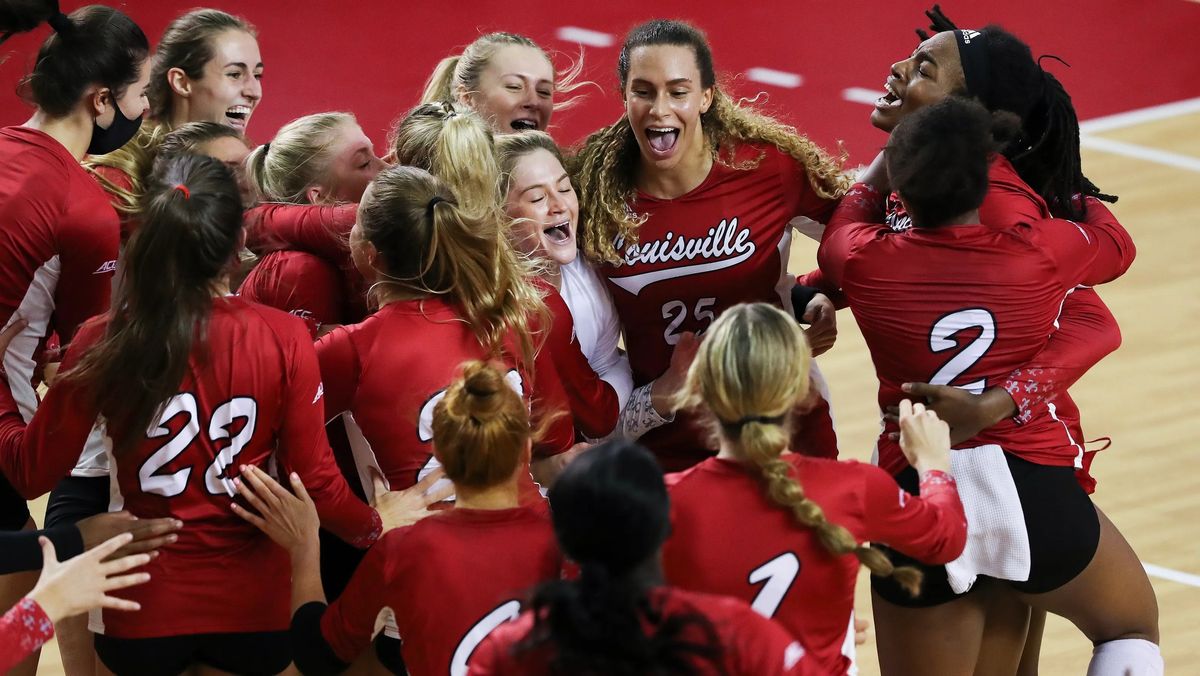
x=728, y=538
x=253, y=395
x=752, y=645
x=966, y=305
x=448, y=580
x=725, y=242
x=300, y=284
x=594, y=404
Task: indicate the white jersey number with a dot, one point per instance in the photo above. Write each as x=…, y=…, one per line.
x=779, y=573
x=941, y=338
x=184, y=403
x=677, y=312
x=506, y=612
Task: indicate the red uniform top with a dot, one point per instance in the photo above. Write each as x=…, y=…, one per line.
x=965, y=305
x=594, y=405
x=390, y=370
x=753, y=645
x=728, y=538
x=57, y=254
x=449, y=580
x=255, y=398
x=301, y=284
x=1086, y=330
x=725, y=242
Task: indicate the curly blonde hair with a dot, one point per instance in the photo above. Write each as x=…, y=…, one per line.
x=749, y=374
x=604, y=168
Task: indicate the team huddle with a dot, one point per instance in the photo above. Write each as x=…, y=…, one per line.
x=488, y=405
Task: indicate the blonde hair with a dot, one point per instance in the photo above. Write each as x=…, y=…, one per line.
x=749, y=374
x=605, y=166
x=510, y=148
x=464, y=70
x=296, y=159
x=480, y=427
x=433, y=246
x=453, y=143
x=134, y=159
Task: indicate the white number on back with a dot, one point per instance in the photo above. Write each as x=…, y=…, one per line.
x=941, y=338
x=170, y=485
x=506, y=612
x=779, y=573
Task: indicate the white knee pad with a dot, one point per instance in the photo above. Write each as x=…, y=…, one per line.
x=1126, y=657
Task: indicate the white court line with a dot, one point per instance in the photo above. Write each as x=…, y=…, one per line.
x=1140, y=152
x=1139, y=116
x=778, y=78
x=1172, y=575
x=862, y=95
x=584, y=36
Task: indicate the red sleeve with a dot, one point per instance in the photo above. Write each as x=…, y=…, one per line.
x=760, y=646
x=593, y=402
x=320, y=230
x=35, y=457
x=1086, y=333
x=349, y=622
x=23, y=629
x=1094, y=252
x=305, y=450
x=806, y=201
x=87, y=246
x=299, y=283
x=548, y=401
x=931, y=527
x=817, y=280
x=340, y=369
x=858, y=219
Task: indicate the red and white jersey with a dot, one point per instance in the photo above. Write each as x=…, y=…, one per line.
x=301, y=284
x=780, y=567
x=254, y=398
x=58, y=252
x=449, y=580
x=594, y=403
x=725, y=242
x=752, y=644
x=965, y=305
x=389, y=371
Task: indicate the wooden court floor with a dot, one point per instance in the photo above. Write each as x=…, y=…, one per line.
x=1142, y=396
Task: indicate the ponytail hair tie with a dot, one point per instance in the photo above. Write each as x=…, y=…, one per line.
x=266, y=148
x=737, y=425
x=61, y=23
x=187, y=194
x=433, y=202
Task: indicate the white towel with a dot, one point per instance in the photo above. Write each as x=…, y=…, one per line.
x=997, y=540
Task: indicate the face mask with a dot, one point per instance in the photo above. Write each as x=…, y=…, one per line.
x=122, y=129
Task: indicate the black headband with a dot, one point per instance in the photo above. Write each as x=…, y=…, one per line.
x=61, y=23
x=737, y=426
x=973, y=53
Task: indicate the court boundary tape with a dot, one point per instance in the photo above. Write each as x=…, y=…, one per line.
x=1172, y=575
x=1165, y=111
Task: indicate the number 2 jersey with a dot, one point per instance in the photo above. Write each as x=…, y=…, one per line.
x=253, y=396
x=728, y=538
x=725, y=242
x=966, y=305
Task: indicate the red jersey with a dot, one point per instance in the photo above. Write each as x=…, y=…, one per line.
x=255, y=397
x=594, y=404
x=58, y=252
x=965, y=305
x=728, y=538
x=449, y=580
x=390, y=370
x=753, y=645
x=301, y=284
x=725, y=242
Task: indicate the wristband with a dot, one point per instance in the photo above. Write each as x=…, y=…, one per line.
x=936, y=477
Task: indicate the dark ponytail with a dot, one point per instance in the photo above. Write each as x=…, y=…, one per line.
x=611, y=515
x=94, y=45
x=191, y=215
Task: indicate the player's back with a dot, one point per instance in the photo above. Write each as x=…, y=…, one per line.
x=450, y=579
x=729, y=539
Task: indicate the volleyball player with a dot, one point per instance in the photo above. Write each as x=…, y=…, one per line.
x=796, y=519
x=687, y=204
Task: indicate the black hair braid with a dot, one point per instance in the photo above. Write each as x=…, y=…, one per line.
x=938, y=22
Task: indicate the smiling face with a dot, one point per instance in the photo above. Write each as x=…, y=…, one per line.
x=352, y=166
x=664, y=99
x=515, y=90
x=931, y=74
x=230, y=87
x=543, y=203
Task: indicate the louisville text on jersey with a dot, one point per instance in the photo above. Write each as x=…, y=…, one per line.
x=724, y=246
